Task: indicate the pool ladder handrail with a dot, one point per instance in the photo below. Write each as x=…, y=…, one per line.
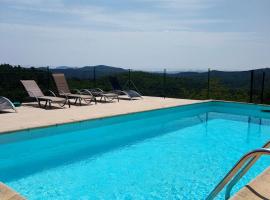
x=242, y=166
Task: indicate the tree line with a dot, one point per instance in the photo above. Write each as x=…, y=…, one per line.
x=150, y=84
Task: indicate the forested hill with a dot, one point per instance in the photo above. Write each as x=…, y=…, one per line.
x=232, y=79
x=88, y=71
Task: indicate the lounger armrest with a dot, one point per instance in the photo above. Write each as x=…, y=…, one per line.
x=11, y=104
x=85, y=91
x=61, y=93
x=52, y=93
x=98, y=89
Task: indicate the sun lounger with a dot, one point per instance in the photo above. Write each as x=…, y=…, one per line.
x=64, y=90
x=34, y=92
x=117, y=88
x=106, y=96
x=5, y=103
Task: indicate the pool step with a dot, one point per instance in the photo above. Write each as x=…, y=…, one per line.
x=257, y=189
x=7, y=193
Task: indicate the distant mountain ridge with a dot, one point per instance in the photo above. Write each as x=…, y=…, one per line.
x=63, y=67
x=87, y=72
x=232, y=79
x=229, y=78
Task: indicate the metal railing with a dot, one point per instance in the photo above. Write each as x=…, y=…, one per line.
x=251, y=86
x=238, y=171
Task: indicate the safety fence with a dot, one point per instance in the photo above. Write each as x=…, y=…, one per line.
x=246, y=86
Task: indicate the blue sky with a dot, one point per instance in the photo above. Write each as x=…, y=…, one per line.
x=140, y=34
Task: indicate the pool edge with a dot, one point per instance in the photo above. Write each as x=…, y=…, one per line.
x=101, y=118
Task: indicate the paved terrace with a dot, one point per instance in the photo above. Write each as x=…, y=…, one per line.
x=30, y=116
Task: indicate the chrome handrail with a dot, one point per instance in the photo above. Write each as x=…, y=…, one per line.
x=242, y=172
x=252, y=157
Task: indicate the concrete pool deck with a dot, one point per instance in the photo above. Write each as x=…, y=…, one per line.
x=7, y=193
x=30, y=116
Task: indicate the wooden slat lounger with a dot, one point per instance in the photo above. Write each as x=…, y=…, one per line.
x=34, y=92
x=63, y=90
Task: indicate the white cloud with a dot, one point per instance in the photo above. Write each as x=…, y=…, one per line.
x=183, y=5
x=97, y=17
x=145, y=50
x=158, y=33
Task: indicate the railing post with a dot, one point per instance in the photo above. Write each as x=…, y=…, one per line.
x=94, y=77
x=48, y=78
x=251, y=86
x=208, y=83
x=164, y=83
x=262, y=91
x=129, y=80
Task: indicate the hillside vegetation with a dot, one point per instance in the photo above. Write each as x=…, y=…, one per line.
x=192, y=85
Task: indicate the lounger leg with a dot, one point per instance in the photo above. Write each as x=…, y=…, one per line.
x=39, y=104
x=46, y=102
x=68, y=103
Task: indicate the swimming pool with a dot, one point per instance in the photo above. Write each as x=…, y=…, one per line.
x=175, y=153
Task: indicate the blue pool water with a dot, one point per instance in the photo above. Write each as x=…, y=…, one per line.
x=176, y=153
